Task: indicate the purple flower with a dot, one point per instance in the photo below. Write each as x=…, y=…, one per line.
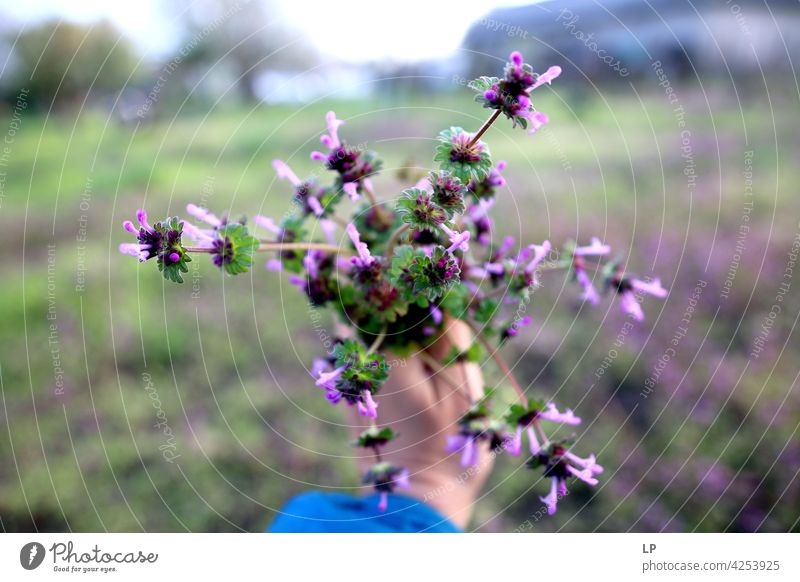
x=479, y=215
x=551, y=500
x=436, y=314
x=559, y=464
x=386, y=477
x=316, y=207
x=328, y=380
x=149, y=239
x=285, y=172
x=267, y=223
x=366, y=405
x=539, y=253
x=627, y=289
x=596, y=248
x=328, y=228
x=197, y=234
x=537, y=121
x=553, y=415
x=461, y=150
x=589, y=293
x=511, y=95
x=513, y=329
x=653, y=288
x=458, y=240
x=332, y=139
x=465, y=443
x=546, y=77
x=487, y=188
x=351, y=189
x=364, y=258
x=514, y=444
x=204, y=215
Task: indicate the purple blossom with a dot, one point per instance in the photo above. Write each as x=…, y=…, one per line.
x=630, y=305
x=589, y=293
x=468, y=447
x=551, y=500
x=140, y=251
x=539, y=253
x=328, y=228
x=653, y=288
x=197, y=234
x=364, y=258
x=537, y=120
x=149, y=239
x=328, y=380
x=561, y=464
x=627, y=288
x=331, y=140
x=596, y=248
x=514, y=444
x=203, y=214
x=267, y=223
x=553, y=415
x=351, y=189
x=436, y=314
x=479, y=215
x=513, y=329
x=366, y=405
x=285, y=172
x=546, y=77
x=316, y=207
x=458, y=240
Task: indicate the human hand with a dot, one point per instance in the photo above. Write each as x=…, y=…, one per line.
x=423, y=403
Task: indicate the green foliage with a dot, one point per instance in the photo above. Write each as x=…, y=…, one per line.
x=375, y=437
x=170, y=232
x=363, y=371
x=418, y=209
x=519, y=414
x=433, y=275
x=464, y=161
x=448, y=192
x=237, y=249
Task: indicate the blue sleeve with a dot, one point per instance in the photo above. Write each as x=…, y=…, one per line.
x=317, y=512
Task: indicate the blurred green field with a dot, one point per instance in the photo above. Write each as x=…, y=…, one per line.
x=713, y=448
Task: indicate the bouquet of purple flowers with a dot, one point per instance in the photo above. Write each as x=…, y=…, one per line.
x=411, y=267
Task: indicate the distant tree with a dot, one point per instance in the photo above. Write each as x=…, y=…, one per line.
x=60, y=62
x=247, y=36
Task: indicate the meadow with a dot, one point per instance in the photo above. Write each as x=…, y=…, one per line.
x=133, y=404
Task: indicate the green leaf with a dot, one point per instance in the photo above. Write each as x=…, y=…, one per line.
x=239, y=246
x=482, y=84
x=375, y=437
x=463, y=161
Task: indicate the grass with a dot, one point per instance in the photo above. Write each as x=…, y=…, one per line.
x=225, y=356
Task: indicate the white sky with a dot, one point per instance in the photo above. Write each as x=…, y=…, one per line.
x=352, y=30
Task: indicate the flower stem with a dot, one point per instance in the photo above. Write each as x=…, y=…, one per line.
x=370, y=194
x=394, y=238
x=439, y=369
x=501, y=363
x=487, y=124
x=376, y=343
x=292, y=246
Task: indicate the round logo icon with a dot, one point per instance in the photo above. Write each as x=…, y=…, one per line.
x=31, y=555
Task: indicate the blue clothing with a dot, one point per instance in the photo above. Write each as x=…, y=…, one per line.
x=317, y=512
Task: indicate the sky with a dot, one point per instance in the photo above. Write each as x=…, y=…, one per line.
x=345, y=29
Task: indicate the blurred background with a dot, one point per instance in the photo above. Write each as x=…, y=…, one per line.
x=130, y=404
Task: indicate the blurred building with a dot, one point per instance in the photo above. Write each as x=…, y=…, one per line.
x=726, y=37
